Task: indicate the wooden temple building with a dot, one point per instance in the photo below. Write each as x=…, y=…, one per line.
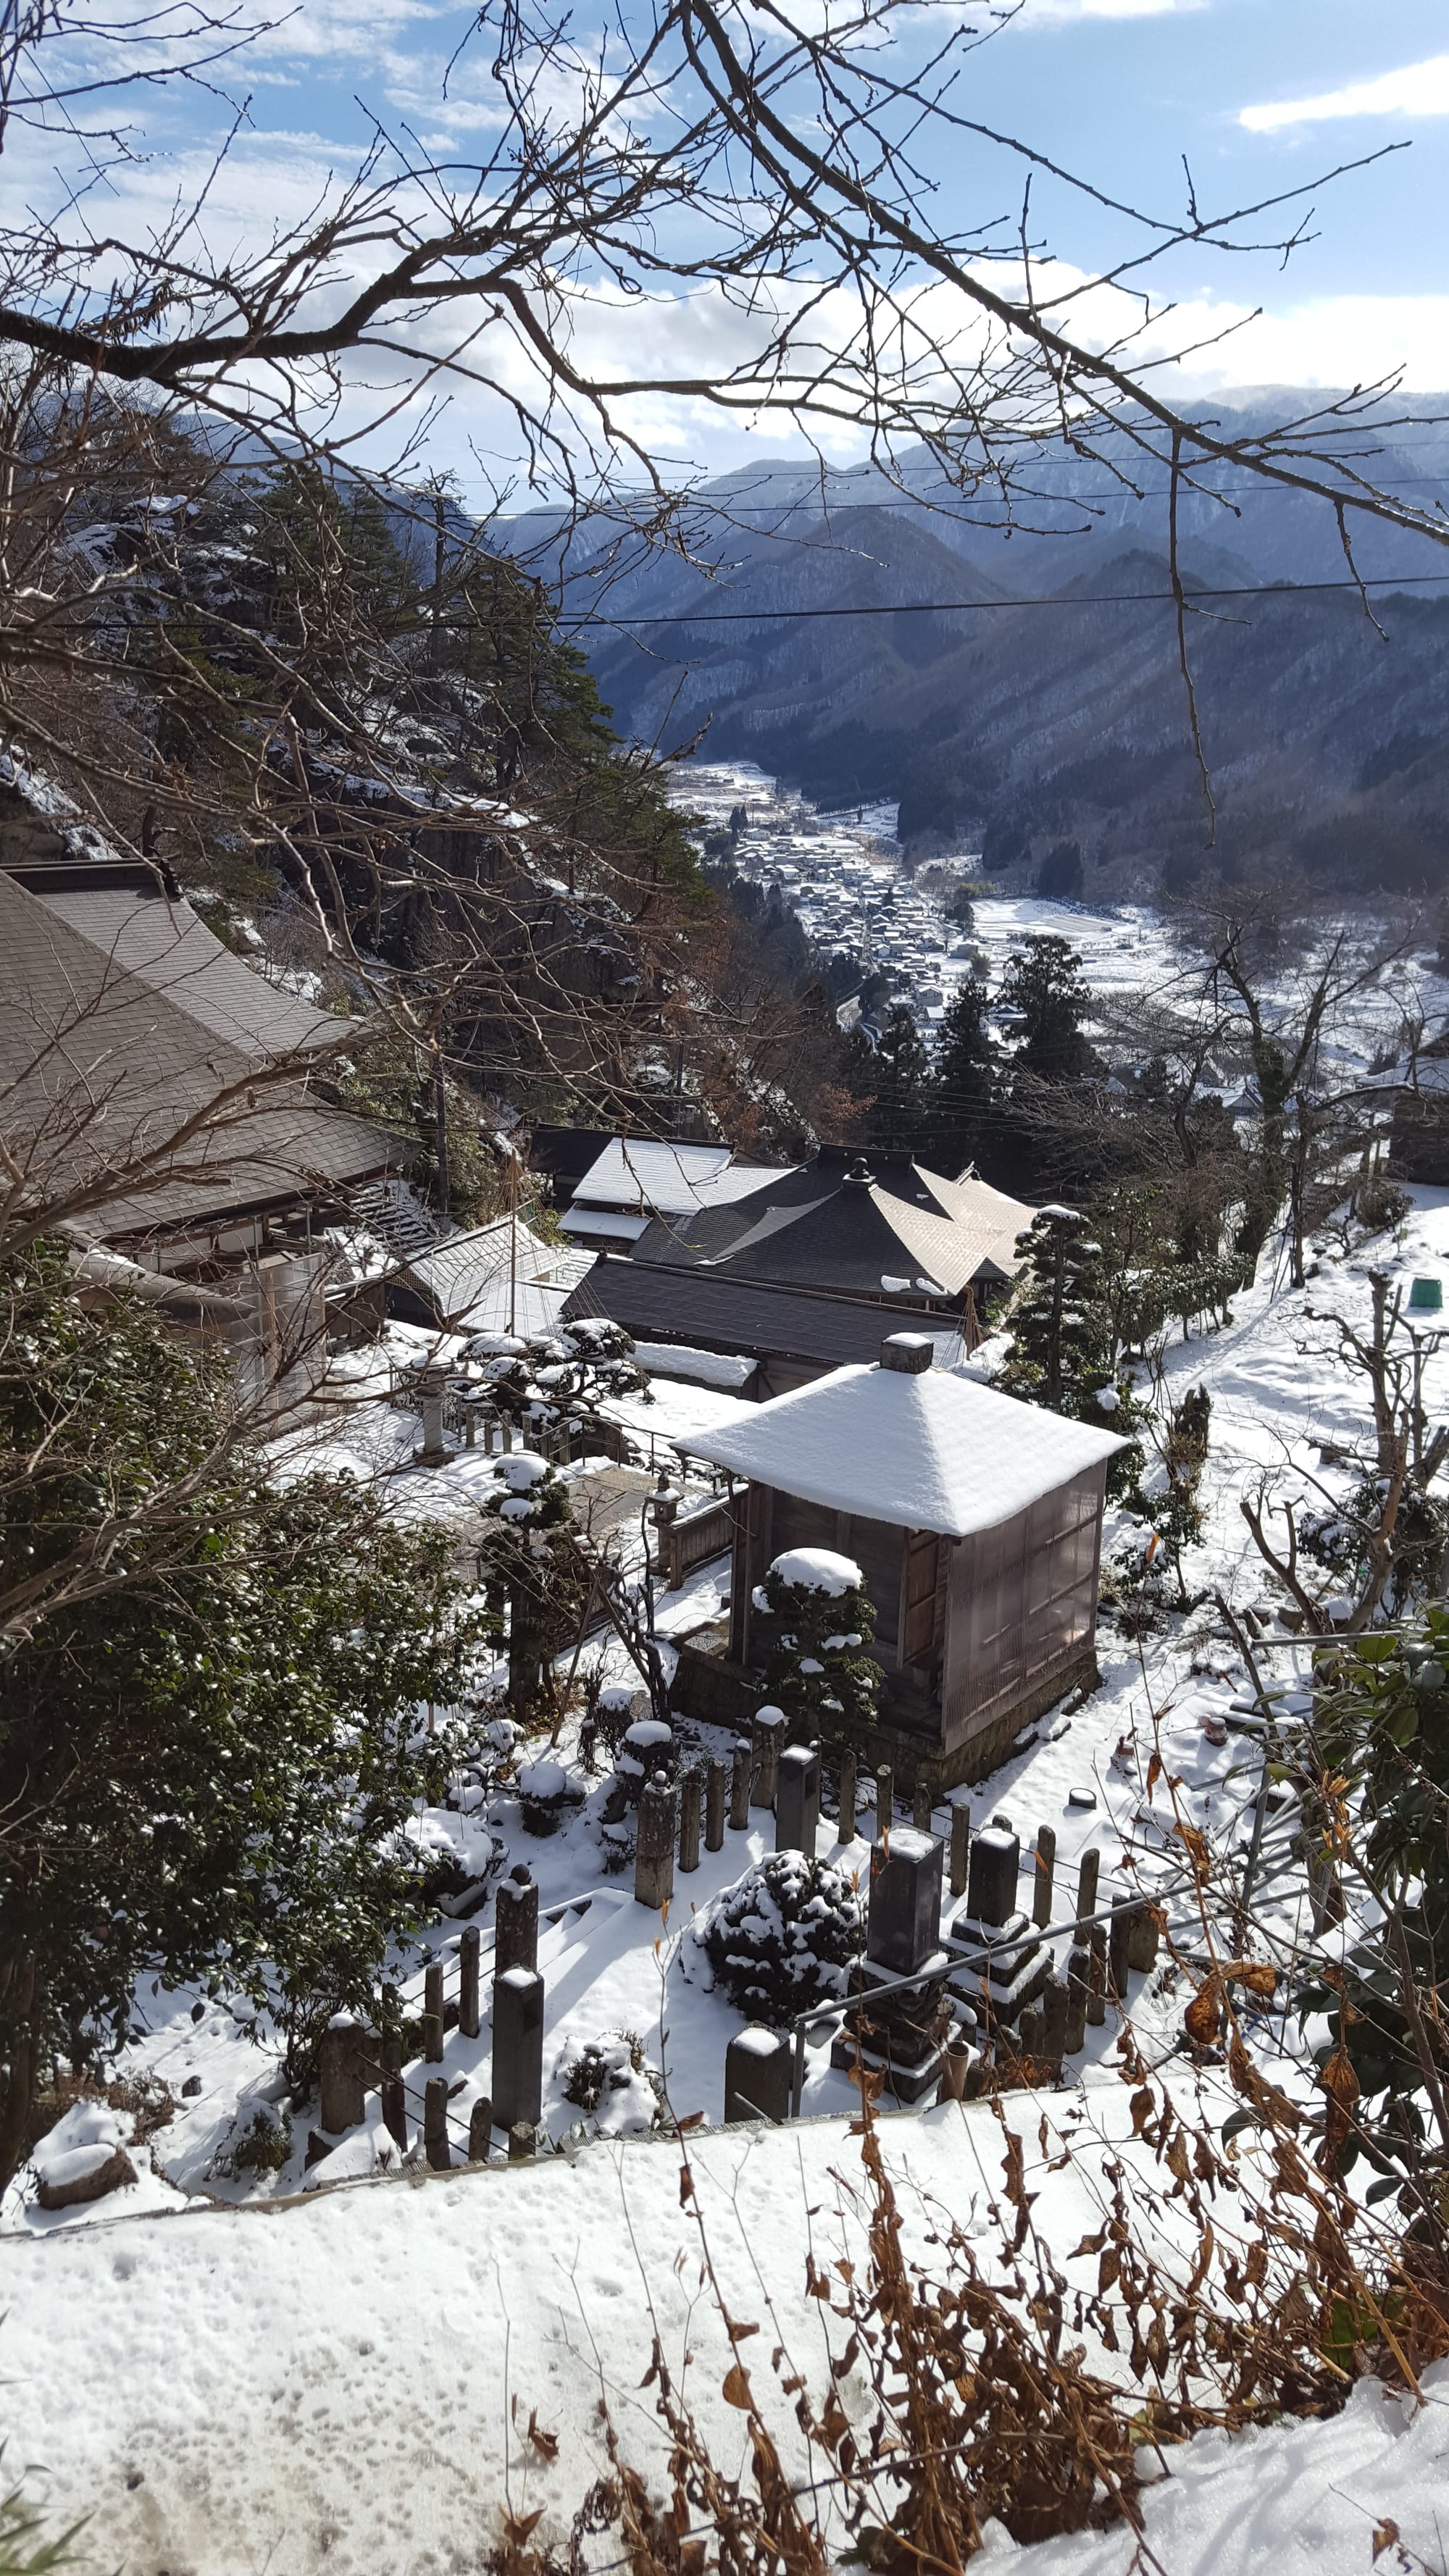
x=976, y=1521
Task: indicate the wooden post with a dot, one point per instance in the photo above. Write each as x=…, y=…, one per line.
x=1079, y=1980
x=480, y=2130
x=845, y=1821
x=960, y=1849
x=395, y=2108
x=716, y=1781
x=340, y=2075
x=433, y=2014
x=689, y=1803
x=767, y=1734
x=1118, y=1946
x=1054, y=2008
x=1046, y=1861
x=1029, y=2032
x=740, y=1789
x=1097, y=1977
x=468, y=1982
x=1087, y=1884
x=435, y=2124
x=1142, y=1941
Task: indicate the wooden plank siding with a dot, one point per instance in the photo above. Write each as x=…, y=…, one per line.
x=1023, y=1601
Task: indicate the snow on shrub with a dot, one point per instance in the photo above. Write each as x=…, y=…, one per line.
x=822, y=1618
x=612, y=2079
x=782, y=1940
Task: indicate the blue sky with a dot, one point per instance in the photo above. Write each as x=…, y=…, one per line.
x=1258, y=94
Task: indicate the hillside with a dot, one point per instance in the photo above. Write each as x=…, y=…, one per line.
x=1012, y=727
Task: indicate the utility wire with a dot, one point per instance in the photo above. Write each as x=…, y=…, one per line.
x=625, y=619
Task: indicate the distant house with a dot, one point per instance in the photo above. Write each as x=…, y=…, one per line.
x=159, y=1097
x=1415, y=1095
x=874, y=1226
x=977, y=1523
x=632, y=1182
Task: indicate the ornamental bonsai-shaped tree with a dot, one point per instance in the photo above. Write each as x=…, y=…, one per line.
x=824, y=1617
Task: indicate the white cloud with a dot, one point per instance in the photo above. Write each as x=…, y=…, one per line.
x=1057, y=13
x=1417, y=89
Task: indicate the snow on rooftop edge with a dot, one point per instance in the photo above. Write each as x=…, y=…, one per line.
x=932, y=1452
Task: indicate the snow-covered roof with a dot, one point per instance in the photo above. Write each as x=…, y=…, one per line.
x=499, y=1278
x=932, y=1451
x=667, y=1179
x=612, y=1224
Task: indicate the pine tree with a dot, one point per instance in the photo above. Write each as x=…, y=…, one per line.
x=963, y=1087
x=900, y=1071
x=818, y=1672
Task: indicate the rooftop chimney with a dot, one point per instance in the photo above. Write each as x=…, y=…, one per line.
x=909, y=1353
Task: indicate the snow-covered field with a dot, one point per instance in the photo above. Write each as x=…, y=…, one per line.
x=326, y=2377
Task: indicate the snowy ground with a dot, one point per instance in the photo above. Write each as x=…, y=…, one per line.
x=325, y=2375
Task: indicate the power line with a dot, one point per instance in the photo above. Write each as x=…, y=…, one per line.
x=625, y=618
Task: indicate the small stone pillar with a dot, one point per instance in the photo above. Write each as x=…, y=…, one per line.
x=515, y=1910
x=480, y=2131
x=1046, y=1862
x=435, y=2124
x=955, y=2067
x=654, y=1844
x=432, y=1386
x=845, y=1821
x=517, y=2046
x=767, y=1734
x=468, y=1949
x=522, y=2142
x=1054, y=2009
x=1119, y=1944
x=797, y=1799
x=759, y=2068
x=903, y=1927
x=995, y=1863
x=921, y=1806
x=716, y=1781
x=960, y=1848
x=433, y=2013
x=342, y=2080
x=1142, y=1940
x=885, y=1801
x=740, y=1789
x=689, y=1806
x=394, y=2108
x=1087, y=1885
x=1079, y=1987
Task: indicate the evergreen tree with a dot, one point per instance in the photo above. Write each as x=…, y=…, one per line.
x=963, y=1087
x=900, y=1072
x=209, y=1745
x=818, y=1672
x=1060, y=877
x=1061, y=1346
x=1043, y=987
x=529, y=1565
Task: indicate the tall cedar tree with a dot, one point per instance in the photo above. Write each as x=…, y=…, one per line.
x=206, y=1771
x=818, y=1671
x=899, y=1073
x=1044, y=989
x=964, y=1076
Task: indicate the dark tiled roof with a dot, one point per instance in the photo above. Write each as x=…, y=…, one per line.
x=134, y=1108
x=715, y=1314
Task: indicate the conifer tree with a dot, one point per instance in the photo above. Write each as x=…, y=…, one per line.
x=900, y=1070
x=963, y=1086
x=1044, y=988
x=1061, y=1348
x=818, y=1672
